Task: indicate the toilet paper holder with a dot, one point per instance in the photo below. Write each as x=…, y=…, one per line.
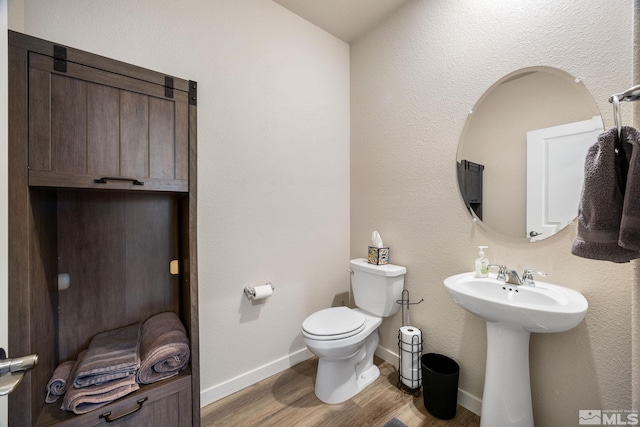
x=404, y=303
x=409, y=352
x=409, y=359
x=250, y=291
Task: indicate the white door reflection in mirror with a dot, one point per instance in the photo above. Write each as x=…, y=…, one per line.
x=555, y=173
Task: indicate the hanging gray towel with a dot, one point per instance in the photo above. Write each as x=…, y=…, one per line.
x=630, y=223
x=601, y=203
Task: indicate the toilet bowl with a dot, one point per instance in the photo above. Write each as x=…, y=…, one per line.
x=345, y=362
x=345, y=339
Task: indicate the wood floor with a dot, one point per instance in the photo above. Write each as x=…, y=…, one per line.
x=287, y=399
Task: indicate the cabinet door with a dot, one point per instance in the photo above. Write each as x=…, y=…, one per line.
x=90, y=128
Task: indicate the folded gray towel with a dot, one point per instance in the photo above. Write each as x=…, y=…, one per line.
x=111, y=355
x=601, y=203
x=57, y=385
x=85, y=399
x=164, y=348
x=630, y=223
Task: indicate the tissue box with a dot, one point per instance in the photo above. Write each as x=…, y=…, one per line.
x=378, y=256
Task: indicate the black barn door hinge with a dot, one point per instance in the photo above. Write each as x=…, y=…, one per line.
x=60, y=58
x=168, y=86
x=193, y=93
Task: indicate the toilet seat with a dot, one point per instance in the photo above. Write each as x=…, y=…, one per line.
x=333, y=324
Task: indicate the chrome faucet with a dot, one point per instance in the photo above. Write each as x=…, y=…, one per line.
x=527, y=277
x=503, y=273
x=511, y=276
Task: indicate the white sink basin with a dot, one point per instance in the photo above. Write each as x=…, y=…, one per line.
x=512, y=312
x=543, y=308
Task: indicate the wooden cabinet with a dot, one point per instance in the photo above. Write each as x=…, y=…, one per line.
x=86, y=124
x=75, y=118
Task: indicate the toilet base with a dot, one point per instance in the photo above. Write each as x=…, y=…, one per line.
x=327, y=391
x=338, y=380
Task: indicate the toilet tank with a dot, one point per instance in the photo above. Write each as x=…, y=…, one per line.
x=376, y=288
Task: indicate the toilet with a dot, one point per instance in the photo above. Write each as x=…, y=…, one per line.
x=345, y=339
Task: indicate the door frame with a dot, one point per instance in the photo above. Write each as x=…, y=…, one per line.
x=4, y=197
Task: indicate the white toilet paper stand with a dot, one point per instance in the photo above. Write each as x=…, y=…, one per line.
x=409, y=350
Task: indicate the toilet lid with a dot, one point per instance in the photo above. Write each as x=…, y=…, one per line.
x=334, y=323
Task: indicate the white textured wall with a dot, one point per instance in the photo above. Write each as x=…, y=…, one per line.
x=414, y=79
x=273, y=159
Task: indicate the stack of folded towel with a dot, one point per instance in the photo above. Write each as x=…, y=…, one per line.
x=111, y=355
x=105, y=371
x=86, y=399
x=117, y=361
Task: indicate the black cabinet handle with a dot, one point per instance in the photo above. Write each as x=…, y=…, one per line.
x=104, y=180
x=109, y=419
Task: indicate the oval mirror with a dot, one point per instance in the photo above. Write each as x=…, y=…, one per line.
x=521, y=154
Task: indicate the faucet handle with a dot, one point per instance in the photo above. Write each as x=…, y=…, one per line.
x=502, y=271
x=527, y=276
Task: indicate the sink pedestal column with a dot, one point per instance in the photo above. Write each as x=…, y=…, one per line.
x=506, y=400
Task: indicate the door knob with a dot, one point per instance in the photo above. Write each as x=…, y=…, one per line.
x=17, y=364
x=12, y=370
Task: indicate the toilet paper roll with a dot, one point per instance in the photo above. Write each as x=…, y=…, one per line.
x=262, y=292
x=411, y=350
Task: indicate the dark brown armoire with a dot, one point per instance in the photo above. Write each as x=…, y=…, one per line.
x=102, y=197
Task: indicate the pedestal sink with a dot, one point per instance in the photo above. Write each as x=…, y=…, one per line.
x=512, y=312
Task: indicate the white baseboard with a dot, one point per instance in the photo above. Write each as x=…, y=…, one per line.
x=233, y=385
x=465, y=399
x=469, y=401
x=388, y=355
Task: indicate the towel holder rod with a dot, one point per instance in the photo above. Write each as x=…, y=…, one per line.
x=631, y=94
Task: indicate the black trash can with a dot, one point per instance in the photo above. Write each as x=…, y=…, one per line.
x=440, y=385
